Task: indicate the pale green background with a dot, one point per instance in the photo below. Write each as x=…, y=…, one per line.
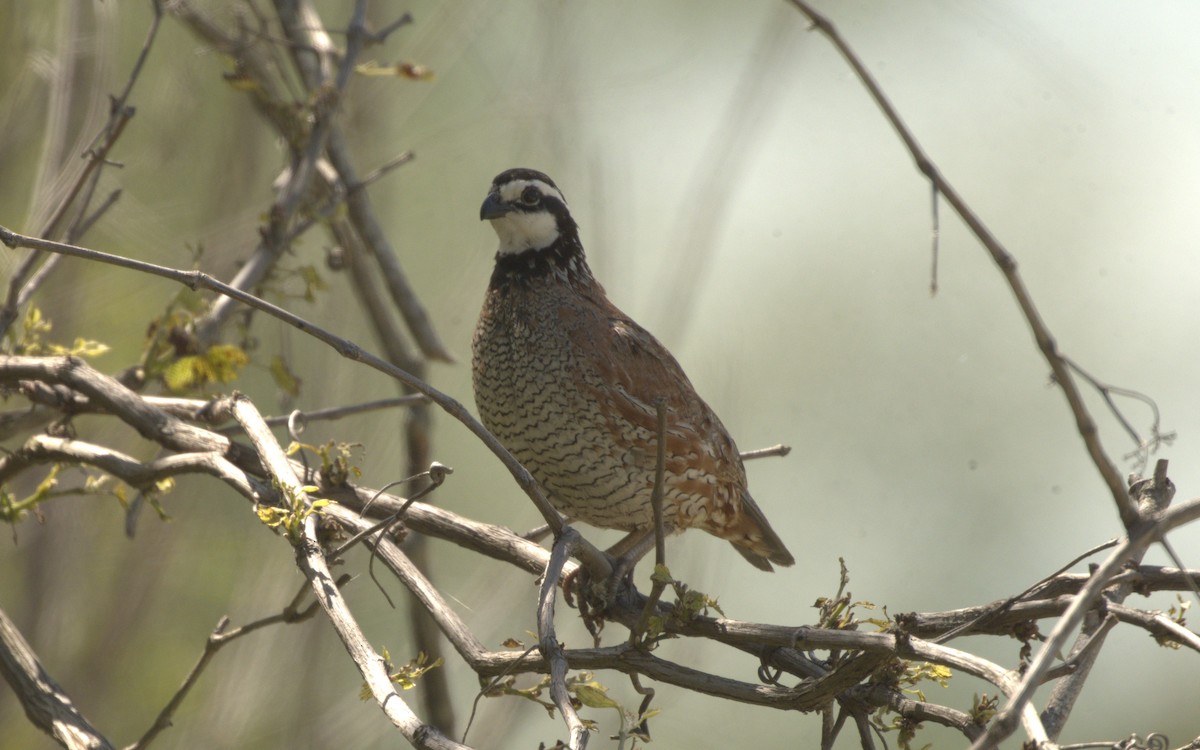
x=739, y=195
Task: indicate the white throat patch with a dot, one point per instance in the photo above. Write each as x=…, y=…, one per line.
x=519, y=231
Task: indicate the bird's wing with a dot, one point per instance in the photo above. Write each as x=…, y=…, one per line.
x=641, y=373
x=636, y=373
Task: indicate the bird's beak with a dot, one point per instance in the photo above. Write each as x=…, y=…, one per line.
x=493, y=207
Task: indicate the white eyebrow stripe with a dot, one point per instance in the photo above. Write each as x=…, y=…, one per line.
x=511, y=191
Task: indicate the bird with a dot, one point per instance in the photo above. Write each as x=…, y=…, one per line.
x=571, y=386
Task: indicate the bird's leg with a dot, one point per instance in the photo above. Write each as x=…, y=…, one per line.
x=632, y=547
x=625, y=555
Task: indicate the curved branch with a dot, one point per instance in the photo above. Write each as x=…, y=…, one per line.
x=1084, y=423
x=46, y=449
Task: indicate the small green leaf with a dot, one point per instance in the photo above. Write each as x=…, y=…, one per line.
x=594, y=695
x=661, y=574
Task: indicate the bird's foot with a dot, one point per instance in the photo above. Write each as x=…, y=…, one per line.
x=593, y=597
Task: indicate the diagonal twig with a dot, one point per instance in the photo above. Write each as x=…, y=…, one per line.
x=46, y=704
x=1084, y=424
x=219, y=637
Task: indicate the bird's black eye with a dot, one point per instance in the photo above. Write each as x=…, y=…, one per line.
x=530, y=196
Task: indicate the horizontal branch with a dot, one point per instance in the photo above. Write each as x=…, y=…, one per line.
x=52, y=401
x=780, y=646
x=42, y=449
x=113, y=397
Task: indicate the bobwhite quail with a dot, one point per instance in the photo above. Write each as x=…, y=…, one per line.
x=569, y=384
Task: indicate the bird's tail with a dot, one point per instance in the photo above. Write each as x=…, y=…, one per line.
x=754, y=539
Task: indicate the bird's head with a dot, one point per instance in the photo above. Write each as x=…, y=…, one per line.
x=528, y=212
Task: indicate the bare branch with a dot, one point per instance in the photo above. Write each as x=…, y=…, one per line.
x=46, y=704
x=21, y=287
x=1084, y=423
x=459, y=635
x=774, y=450
x=1141, y=536
x=311, y=560
x=220, y=636
x=115, y=398
x=46, y=449
x=1154, y=495
x=548, y=645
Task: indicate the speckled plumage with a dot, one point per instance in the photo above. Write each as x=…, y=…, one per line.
x=569, y=384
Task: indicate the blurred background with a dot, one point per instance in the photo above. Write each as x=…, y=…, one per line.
x=738, y=194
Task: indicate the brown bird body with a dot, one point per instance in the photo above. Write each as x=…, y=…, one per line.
x=569, y=384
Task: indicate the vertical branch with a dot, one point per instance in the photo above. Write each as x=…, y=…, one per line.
x=660, y=470
x=435, y=690
x=659, y=578
x=551, y=649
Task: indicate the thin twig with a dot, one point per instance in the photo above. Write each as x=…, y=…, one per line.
x=1143, y=447
x=437, y=473
x=302, y=418
x=656, y=497
x=966, y=626
x=19, y=288
x=381, y=171
x=935, y=238
x=660, y=543
x=219, y=637
x=1084, y=423
x=1179, y=563
x=774, y=450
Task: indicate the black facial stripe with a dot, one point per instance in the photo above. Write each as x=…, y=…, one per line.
x=552, y=205
x=562, y=217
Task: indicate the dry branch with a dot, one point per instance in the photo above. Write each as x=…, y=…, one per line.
x=46, y=704
x=311, y=559
x=780, y=646
x=320, y=178
x=1007, y=264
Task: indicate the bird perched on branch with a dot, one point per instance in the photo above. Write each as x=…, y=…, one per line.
x=571, y=386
